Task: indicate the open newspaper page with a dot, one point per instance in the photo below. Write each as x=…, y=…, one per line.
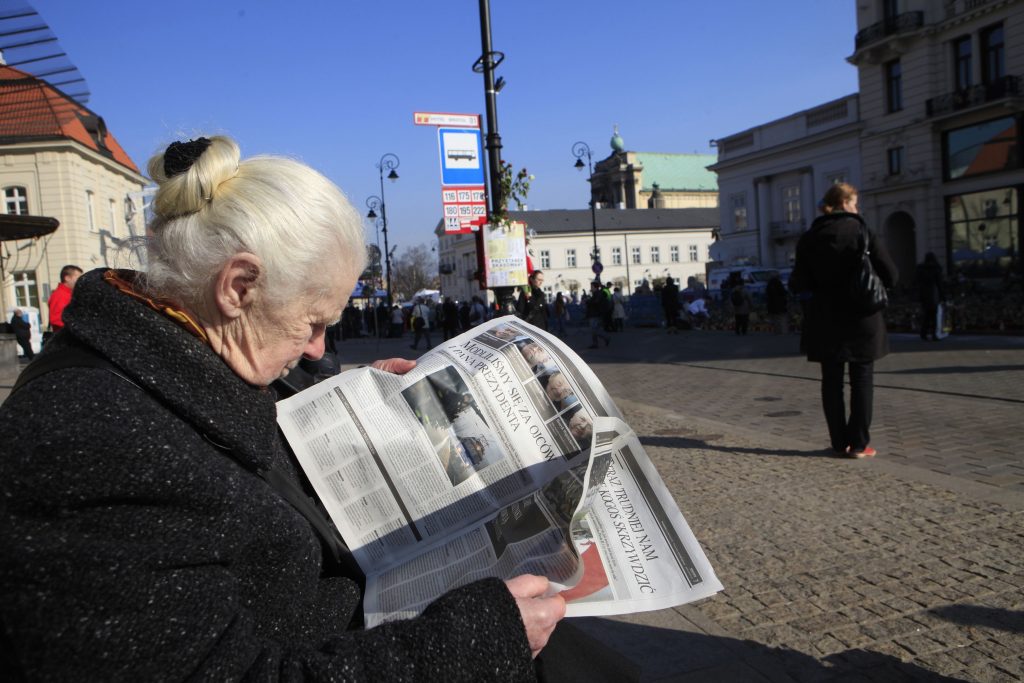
x=478, y=463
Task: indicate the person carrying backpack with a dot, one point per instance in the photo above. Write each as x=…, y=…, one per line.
x=420, y=323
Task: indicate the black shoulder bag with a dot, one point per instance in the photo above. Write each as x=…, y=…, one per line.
x=866, y=292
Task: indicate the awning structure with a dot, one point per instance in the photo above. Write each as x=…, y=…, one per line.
x=13, y=227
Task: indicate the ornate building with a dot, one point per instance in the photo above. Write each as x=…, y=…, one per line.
x=941, y=106
x=932, y=140
x=656, y=180
x=634, y=245
x=58, y=159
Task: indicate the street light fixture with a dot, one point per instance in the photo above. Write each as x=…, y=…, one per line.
x=389, y=162
x=579, y=150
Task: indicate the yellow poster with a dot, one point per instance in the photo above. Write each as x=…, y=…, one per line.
x=505, y=254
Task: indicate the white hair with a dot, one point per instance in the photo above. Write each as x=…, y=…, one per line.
x=295, y=220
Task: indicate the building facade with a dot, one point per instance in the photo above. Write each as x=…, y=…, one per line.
x=937, y=123
x=771, y=177
x=58, y=159
x=634, y=246
x=941, y=106
x=655, y=180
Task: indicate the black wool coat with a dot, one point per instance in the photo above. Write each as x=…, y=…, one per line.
x=137, y=542
x=827, y=257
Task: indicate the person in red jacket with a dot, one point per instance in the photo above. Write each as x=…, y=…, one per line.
x=61, y=296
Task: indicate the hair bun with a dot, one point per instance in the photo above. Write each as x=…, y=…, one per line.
x=190, y=172
x=179, y=156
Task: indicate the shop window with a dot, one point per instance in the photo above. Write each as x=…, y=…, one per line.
x=984, y=234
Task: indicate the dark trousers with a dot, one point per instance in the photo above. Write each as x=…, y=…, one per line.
x=742, y=323
x=422, y=331
x=855, y=431
x=26, y=347
x=929, y=317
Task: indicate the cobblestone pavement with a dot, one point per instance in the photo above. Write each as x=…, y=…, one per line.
x=909, y=566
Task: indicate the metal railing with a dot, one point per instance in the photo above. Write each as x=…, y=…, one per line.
x=1001, y=88
x=901, y=23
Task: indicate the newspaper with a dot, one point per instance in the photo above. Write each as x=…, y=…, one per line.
x=500, y=454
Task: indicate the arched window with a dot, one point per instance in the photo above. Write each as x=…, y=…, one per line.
x=16, y=201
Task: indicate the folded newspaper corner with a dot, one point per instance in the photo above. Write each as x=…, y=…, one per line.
x=500, y=454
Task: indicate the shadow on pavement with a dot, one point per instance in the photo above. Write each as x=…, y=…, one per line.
x=979, y=615
x=952, y=370
x=683, y=442
x=595, y=649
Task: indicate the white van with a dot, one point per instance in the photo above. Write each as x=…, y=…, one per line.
x=755, y=278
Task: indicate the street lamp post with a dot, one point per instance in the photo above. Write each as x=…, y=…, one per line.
x=579, y=150
x=389, y=162
x=373, y=202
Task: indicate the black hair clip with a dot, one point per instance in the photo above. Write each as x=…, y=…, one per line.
x=180, y=156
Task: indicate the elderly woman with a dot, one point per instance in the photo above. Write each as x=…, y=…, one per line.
x=151, y=527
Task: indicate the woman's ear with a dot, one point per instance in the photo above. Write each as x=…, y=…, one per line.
x=236, y=286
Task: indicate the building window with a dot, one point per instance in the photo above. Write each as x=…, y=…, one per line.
x=674, y=253
x=739, y=211
x=26, y=291
x=983, y=148
x=962, y=76
x=893, y=86
x=895, y=155
x=16, y=201
x=993, y=54
x=635, y=252
x=616, y=256
x=655, y=254
x=791, y=203
x=112, y=211
x=89, y=212
x=694, y=255
x=596, y=253
x=570, y=258
x=545, y=259
x=984, y=233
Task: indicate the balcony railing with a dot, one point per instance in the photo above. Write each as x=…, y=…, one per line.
x=1007, y=86
x=908, y=21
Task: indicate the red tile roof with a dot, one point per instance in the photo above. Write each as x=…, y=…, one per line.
x=31, y=109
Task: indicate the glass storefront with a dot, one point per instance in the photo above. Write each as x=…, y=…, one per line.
x=984, y=234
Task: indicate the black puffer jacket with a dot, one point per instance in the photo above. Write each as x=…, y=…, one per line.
x=827, y=257
x=132, y=548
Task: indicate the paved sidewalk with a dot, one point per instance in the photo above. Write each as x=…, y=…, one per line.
x=909, y=566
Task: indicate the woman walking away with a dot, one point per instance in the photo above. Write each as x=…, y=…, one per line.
x=828, y=256
x=931, y=294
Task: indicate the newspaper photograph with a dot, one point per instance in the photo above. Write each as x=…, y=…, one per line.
x=500, y=454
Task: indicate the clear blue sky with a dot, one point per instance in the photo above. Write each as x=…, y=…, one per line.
x=335, y=83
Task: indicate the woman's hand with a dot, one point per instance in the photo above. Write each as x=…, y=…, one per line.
x=540, y=614
x=397, y=366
